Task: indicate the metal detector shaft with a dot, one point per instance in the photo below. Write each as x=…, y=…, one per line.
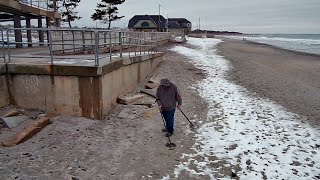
x=164, y=123
x=186, y=117
x=165, y=126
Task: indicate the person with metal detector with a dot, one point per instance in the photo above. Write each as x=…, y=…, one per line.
x=168, y=98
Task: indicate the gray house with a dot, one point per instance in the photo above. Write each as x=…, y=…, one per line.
x=178, y=25
x=148, y=23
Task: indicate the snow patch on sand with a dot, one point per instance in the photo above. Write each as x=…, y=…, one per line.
x=254, y=137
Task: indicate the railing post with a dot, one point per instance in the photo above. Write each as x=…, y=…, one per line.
x=135, y=44
x=4, y=52
x=105, y=39
x=120, y=38
x=110, y=45
x=129, y=42
x=83, y=41
x=62, y=38
x=144, y=43
x=96, y=46
x=140, y=36
x=74, y=48
x=91, y=37
x=50, y=44
x=8, y=46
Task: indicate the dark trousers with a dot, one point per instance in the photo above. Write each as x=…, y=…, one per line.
x=169, y=118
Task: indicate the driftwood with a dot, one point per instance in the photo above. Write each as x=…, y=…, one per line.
x=28, y=132
x=12, y=112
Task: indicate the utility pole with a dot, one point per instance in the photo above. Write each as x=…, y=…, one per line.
x=159, y=17
x=199, y=24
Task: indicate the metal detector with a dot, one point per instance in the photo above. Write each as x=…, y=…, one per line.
x=170, y=144
x=191, y=125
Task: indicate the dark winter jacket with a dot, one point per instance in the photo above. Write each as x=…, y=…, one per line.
x=168, y=97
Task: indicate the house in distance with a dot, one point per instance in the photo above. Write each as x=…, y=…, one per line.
x=152, y=23
x=179, y=25
x=148, y=23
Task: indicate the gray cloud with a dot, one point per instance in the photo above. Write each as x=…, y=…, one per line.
x=250, y=16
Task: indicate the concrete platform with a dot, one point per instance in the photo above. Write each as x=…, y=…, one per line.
x=73, y=86
x=13, y=6
x=41, y=56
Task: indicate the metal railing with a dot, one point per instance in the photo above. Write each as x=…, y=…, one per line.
x=82, y=44
x=40, y=4
x=3, y=54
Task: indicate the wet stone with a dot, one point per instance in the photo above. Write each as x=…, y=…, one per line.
x=12, y=122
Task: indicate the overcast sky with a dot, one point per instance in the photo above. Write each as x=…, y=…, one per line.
x=249, y=16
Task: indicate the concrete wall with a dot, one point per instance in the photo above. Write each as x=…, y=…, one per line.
x=53, y=94
x=81, y=91
x=125, y=79
x=177, y=31
x=4, y=93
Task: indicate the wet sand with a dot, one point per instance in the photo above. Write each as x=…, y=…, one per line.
x=289, y=78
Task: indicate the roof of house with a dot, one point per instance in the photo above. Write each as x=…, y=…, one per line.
x=179, y=20
x=155, y=18
x=174, y=25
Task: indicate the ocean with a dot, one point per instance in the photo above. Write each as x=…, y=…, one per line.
x=306, y=43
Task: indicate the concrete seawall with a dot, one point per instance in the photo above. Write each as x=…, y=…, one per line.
x=73, y=90
x=4, y=93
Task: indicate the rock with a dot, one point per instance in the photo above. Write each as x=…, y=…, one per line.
x=129, y=99
x=73, y=178
x=151, y=85
x=233, y=174
x=11, y=122
x=42, y=115
x=28, y=132
x=2, y=125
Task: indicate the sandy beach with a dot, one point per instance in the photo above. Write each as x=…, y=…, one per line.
x=116, y=147
x=243, y=133
x=286, y=77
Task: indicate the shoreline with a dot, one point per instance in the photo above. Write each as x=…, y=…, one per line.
x=271, y=46
x=286, y=77
x=245, y=132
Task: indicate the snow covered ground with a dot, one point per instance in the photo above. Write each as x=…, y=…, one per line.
x=256, y=137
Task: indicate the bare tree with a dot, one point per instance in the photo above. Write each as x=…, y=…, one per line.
x=107, y=11
x=67, y=9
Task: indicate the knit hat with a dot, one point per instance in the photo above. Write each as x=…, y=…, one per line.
x=165, y=82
